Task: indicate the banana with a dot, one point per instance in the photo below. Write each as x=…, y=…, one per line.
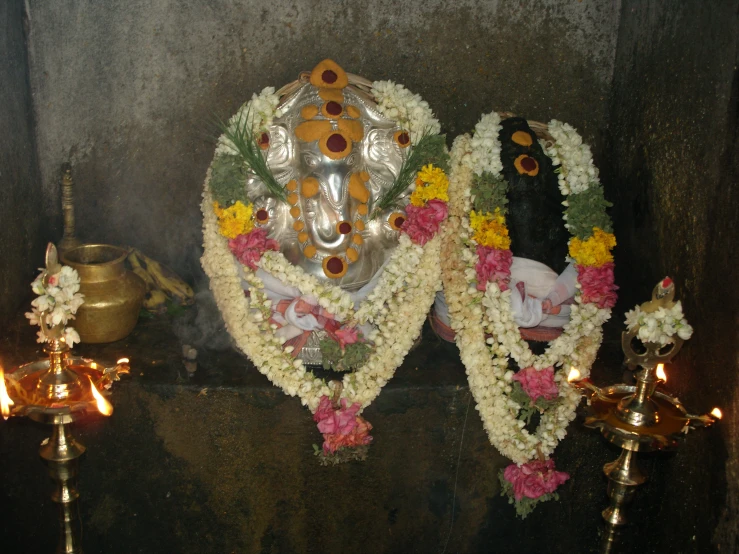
x=168, y=281
x=162, y=283
x=155, y=301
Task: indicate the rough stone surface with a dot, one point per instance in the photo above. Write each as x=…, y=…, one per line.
x=673, y=179
x=126, y=92
x=20, y=218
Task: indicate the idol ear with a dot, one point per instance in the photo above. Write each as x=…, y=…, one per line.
x=280, y=147
x=382, y=155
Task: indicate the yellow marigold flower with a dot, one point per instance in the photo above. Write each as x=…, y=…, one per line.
x=490, y=229
x=235, y=220
x=594, y=251
x=431, y=183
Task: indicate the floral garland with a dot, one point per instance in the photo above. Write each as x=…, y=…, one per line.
x=57, y=303
x=476, y=261
x=236, y=247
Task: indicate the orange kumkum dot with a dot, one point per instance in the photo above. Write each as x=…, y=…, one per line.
x=526, y=165
x=522, y=138
x=396, y=220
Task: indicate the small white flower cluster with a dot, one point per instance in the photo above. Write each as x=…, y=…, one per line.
x=484, y=153
x=660, y=326
x=475, y=314
x=58, y=301
x=258, y=113
x=412, y=113
x=577, y=168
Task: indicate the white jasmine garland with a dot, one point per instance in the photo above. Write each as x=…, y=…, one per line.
x=577, y=170
x=397, y=306
x=412, y=113
x=475, y=314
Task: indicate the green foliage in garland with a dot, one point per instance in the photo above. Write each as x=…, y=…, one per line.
x=245, y=141
x=227, y=180
x=528, y=409
x=587, y=210
x=348, y=359
x=490, y=193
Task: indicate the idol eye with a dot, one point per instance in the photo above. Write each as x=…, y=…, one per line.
x=310, y=159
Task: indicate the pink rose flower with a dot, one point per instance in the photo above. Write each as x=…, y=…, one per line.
x=249, y=248
x=598, y=285
x=341, y=427
x=340, y=421
x=538, y=383
x=358, y=436
x=346, y=335
x=493, y=265
x=422, y=222
x=534, y=479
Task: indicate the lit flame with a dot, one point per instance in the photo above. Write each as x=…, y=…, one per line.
x=717, y=413
x=104, y=407
x=573, y=376
x=661, y=375
x=122, y=361
x=5, y=401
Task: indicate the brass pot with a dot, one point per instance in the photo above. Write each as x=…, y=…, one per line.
x=113, y=294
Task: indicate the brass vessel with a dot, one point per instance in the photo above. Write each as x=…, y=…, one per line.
x=113, y=294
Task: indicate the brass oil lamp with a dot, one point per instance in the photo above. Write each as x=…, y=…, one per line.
x=637, y=418
x=58, y=391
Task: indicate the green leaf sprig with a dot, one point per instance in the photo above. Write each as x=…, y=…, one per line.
x=245, y=141
x=429, y=150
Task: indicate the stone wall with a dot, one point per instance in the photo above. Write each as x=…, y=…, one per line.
x=673, y=177
x=21, y=242
x=127, y=91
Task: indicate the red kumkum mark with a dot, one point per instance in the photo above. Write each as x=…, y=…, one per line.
x=403, y=138
x=262, y=215
x=329, y=76
x=334, y=108
x=263, y=140
x=335, y=265
x=336, y=143
x=528, y=163
x=345, y=228
x=399, y=221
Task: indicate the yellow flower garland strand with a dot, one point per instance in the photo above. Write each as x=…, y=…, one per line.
x=594, y=251
x=431, y=183
x=490, y=229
